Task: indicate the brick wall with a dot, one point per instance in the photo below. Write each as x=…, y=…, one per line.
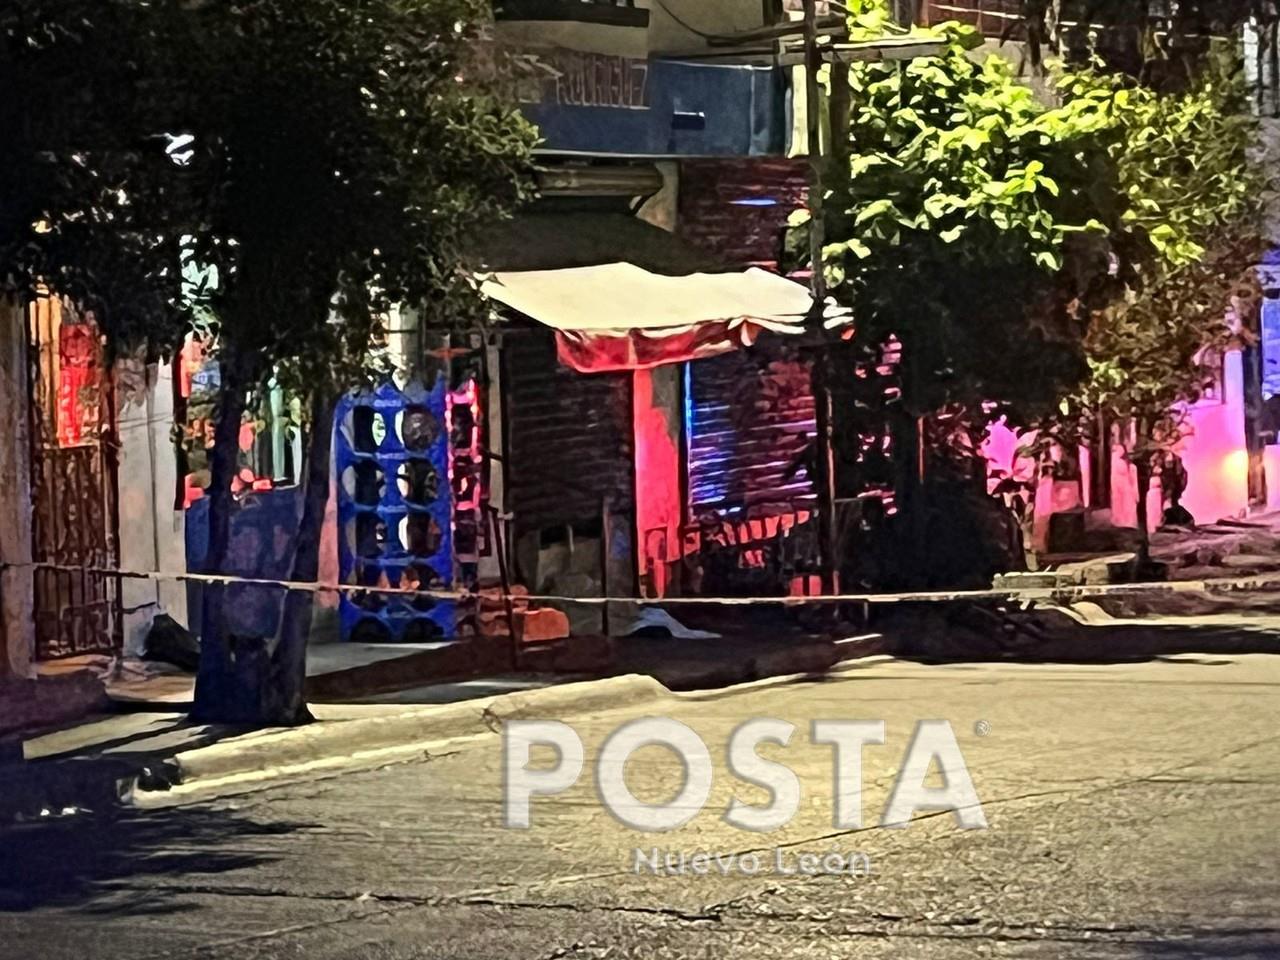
x=993, y=18
x=725, y=206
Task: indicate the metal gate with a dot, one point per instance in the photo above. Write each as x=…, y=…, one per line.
x=752, y=425
x=570, y=468
x=571, y=448
x=751, y=431
x=73, y=484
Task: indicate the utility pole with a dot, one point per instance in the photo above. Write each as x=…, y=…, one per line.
x=821, y=370
x=813, y=128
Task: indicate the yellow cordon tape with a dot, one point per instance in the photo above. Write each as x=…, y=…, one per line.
x=1057, y=592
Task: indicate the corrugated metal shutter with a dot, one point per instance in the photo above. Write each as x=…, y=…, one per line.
x=569, y=434
x=751, y=427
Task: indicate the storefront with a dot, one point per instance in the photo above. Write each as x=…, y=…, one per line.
x=649, y=415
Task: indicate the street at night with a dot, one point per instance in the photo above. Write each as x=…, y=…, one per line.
x=1128, y=807
x=599, y=479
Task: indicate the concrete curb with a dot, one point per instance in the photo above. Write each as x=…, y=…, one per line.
x=336, y=743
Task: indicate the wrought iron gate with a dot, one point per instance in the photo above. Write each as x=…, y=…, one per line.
x=73, y=484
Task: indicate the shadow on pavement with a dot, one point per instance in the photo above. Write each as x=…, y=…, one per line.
x=969, y=632
x=1225, y=946
x=160, y=729
x=73, y=861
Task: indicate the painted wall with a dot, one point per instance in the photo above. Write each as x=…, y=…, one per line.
x=675, y=27
x=673, y=108
x=658, y=417
x=678, y=26
x=1001, y=450
x=1213, y=451
x=634, y=90
x=18, y=630
x=1215, y=457
x=152, y=532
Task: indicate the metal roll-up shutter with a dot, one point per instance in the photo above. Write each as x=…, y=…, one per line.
x=569, y=434
x=751, y=429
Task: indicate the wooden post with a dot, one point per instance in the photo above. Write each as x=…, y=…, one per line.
x=500, y=551
x=17, y=578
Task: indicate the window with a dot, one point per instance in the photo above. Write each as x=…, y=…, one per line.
x=274, y=454
x=1211, y=364
x=270, y=439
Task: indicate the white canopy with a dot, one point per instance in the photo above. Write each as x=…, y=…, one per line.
x=619, y=316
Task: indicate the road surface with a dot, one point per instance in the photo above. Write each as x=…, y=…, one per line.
x=1131, y=814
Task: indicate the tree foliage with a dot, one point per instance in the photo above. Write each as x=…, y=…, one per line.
x=1193, y=191
x=971, y=223
x=89, y=203
x=346, y=161
x=1039, y=256
x=1084, y=205
x=349, y=160
x=282, y=171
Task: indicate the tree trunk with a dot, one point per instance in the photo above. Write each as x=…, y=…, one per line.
x=216, y=699
x=241, y=681
x=909, y=454
x=1143, y=468
x=287, y=704
x=907, y=439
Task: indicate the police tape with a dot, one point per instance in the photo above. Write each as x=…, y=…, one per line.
x=1057, y=592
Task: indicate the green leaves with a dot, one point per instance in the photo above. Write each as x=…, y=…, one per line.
x=944, y=141
x=995, y=234
x=876, y=208
x=833, y=252
x=1186, y=236
x=344, y=162
x=950, y=230
x=938, y=205
x=1049, y=260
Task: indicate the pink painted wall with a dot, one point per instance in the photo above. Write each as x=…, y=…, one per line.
x=659, y=512
x=1213, y=452
x=1271, y=460
x=1001, y=450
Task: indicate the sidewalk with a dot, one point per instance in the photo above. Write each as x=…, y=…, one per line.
x=373, y=703
x=339, y=672
x=1224, y=549
x=110, y=761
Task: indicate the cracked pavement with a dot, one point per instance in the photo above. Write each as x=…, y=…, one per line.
x=1130, y=807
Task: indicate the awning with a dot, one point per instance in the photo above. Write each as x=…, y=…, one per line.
x=619, y=316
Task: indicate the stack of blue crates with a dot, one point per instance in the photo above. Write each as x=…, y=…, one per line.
x=391, y=450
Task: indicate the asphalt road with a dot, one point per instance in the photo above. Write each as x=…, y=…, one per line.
x=1131, y=813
